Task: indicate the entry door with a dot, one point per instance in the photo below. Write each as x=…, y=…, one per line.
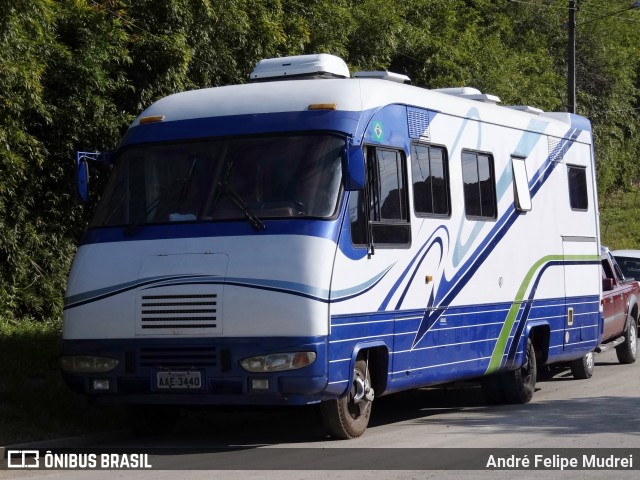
x=582, y=285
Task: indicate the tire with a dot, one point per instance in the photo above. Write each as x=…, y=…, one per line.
x=151, y=420
x=627, y=351
x=518, y=385
x=583, y=367
x=348, y=416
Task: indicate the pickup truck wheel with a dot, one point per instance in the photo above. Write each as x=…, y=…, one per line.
x=583, y=367
x=627, y=350
x=348, y=416
x=518, y=386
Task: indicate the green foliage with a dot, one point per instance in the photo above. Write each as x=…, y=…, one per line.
x=76, y=72
x=30, y=374
x=619, y=226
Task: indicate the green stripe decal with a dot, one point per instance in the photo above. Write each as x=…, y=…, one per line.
x=501, y=345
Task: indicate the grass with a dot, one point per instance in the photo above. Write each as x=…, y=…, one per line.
x=36, y=405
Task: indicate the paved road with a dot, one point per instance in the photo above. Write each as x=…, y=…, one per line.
x=602, y=412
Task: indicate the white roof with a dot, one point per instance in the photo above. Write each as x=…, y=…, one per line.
x=353, y=94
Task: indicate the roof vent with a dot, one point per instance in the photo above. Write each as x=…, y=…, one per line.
x=384, y=75
x=525, y=108
x=298, y=67
x=469, y=93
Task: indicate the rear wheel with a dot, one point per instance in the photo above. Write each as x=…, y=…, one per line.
x=583, y=367
x=518, y=386
x=348, y=416
x=627, y=350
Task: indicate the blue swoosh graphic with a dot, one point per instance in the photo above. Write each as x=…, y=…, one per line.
x=525, y=146
x=422, y=253
x=449, y=289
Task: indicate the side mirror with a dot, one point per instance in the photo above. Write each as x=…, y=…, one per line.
x=607, y=284
x=82, y=177
x=355, y=168
x=82, y=170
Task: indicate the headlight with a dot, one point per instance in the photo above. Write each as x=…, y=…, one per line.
x=277, y=362
x=87, y=364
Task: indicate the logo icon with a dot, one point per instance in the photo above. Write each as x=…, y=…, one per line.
x=378, y=132
x=23, y=459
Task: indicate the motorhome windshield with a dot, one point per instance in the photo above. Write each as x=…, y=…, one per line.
x=295, y=176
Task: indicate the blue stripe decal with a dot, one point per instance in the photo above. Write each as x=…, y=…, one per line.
x=279, y=286
x=289, y=288
x=101, y=293
x=328, y=229
x=311, y=120
x=527, y=310
x=434, y=239
x=465, y=336
x=352, y=292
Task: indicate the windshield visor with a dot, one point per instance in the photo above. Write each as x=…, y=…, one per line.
x=297, y=176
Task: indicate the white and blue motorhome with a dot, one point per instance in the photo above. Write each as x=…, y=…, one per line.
x=312, y=238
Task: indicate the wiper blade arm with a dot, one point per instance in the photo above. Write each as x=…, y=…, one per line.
x=244, y=208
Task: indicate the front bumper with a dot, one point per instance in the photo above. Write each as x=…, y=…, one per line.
x=223, y=381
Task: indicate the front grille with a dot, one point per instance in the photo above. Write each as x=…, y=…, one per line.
x=183, y=357
x=178, y=313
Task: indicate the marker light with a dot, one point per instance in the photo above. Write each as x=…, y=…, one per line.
x=259, y=384
x=278, y=362
x=101, y=385
x=151, y=119
x=323, y=106
x=87, y=364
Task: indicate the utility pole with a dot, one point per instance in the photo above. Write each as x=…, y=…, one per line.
x=571, y=76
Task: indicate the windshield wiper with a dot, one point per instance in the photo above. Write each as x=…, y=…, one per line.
x=244, y=208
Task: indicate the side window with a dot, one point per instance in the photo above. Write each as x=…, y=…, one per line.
x=388, y=197
x=430, y=178
x=606, y=270
x=385, y=199
x=521, y=192
x=578, y=198
x=479, y=185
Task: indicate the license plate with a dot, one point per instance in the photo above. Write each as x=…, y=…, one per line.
x=179, y=380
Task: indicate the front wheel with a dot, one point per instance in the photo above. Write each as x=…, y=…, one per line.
x=583, y=367
x=348, y=416
x=627, y=350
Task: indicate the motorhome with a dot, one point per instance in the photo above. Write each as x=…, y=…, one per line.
x=317, y=237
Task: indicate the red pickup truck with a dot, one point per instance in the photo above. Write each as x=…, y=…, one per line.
x=620, y=298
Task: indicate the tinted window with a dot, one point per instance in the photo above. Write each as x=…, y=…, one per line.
x=578, y=198
x=385, y=199
x=292, y=176
x=479, y=185
x=430, y=180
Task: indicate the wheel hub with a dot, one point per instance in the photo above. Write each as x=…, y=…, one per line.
x=590, y=361
x=363, y=391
